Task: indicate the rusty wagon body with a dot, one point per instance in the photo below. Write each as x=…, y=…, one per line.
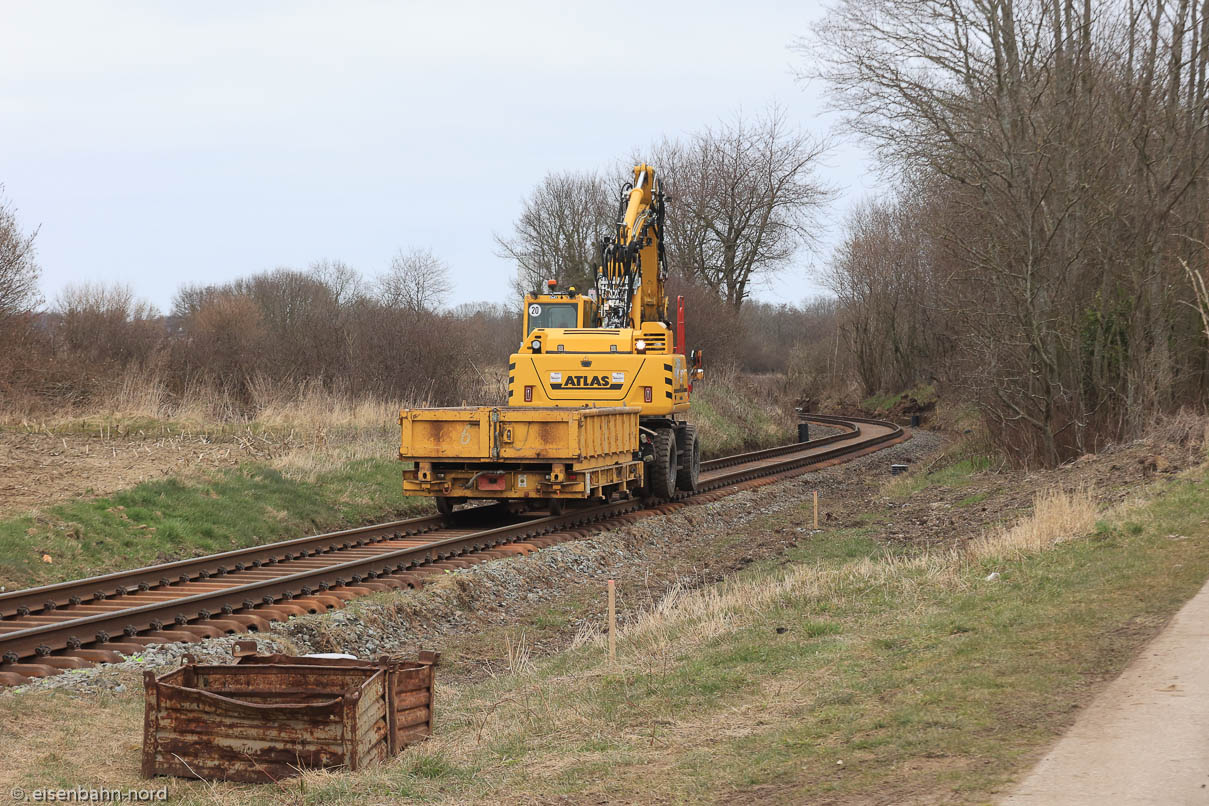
x=270, y=717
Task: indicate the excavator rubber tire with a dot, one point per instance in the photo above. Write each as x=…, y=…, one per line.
x=444, y=504
x=664, y=468
x=688, y=445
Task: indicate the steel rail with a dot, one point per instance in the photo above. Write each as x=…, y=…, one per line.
x=761, y=468
x=74, y=592
x=120, y=583
x=781, y=450
x=247, y=598
x=47, y=638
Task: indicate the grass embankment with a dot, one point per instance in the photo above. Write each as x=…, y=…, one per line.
x=736, y=413
x=922, y=395
x=314, y=462
x=957, y=473
x=835, y=671
x=221, y=510
x=957, y=466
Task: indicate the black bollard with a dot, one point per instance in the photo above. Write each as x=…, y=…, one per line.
x=803, y=432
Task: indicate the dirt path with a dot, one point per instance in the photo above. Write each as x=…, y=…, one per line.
x=1145, y=740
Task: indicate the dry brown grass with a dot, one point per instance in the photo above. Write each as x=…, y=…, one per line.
x=688, y=617
x=1057, y=516
x=311, y=405
x=1185, y=432
x=100, y=751
x=561, y=712
x=301, y=429
x=139, y=394
x=282, y=406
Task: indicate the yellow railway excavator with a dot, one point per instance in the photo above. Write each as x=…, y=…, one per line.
x=597, y=393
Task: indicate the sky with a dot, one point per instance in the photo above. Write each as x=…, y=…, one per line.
x=157, y=144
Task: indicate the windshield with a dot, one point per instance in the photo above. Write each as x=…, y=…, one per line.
x=558, y=314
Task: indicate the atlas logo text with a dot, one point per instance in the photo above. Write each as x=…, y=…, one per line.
x=586, y=382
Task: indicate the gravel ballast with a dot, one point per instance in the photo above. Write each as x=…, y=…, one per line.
x=690, y=546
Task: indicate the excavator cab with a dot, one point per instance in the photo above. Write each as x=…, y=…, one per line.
x=557, y=309
x=543, y=314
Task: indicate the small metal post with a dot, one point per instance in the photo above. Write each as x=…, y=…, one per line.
x=803, y=432
x=816, y=509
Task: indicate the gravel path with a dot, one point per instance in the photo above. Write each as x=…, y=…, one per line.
x=1145, y=740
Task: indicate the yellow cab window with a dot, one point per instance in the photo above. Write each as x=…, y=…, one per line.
x=553, y=314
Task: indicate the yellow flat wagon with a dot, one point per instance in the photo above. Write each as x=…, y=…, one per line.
x=508, y=452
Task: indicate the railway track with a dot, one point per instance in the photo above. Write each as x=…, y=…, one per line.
x=76, y=624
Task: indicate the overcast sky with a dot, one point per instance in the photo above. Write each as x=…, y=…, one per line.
x=162, y=143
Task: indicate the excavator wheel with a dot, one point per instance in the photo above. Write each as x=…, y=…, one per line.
x=556, y=507
x=688, y=445
x=445, y=504
x=663, y=470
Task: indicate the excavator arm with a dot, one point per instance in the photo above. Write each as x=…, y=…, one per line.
x=630, y=277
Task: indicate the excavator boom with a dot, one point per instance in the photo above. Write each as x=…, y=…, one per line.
x=630, y=278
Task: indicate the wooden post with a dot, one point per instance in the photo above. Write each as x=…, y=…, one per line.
x=816, y=509
x=612, y=622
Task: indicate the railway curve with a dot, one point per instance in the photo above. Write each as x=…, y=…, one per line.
x=76, y=624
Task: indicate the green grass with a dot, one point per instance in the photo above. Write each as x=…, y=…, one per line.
x=554, y=618
x=924, y=394
x=971, y=500
x=830, y=546
x=170, y=519
x=956, y=474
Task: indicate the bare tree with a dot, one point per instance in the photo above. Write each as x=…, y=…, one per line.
x=417, y=281
x=190, y=298
x=227, y=342
x=345, y=283
x=1201, y=294
x=744, y=198
x=882, y=276
x=557, y=233
x=1067, y=143
x=107, y=323
x=18, y=268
